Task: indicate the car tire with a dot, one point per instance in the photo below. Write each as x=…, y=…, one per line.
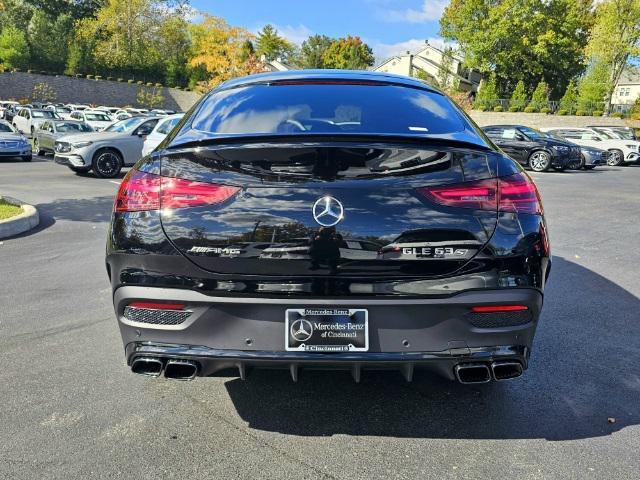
x=539, y=161
x=616, y=158
x=578, y=164
x=27, y=158
x=106, y=163
x=589, y=167
x=36, y=147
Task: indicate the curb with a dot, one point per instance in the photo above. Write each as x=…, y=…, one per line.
x=20, y=223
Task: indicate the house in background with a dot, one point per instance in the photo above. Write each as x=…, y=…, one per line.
x=276, y=65
x=427, y=63
x=627, y=89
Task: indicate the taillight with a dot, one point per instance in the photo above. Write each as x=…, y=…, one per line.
x=498, y=308
x=516, y=193
x=140, y=191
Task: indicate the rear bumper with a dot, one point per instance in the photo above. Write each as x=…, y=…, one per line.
x=435, y=334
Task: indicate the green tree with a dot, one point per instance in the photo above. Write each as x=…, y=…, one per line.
x=521, y=39
x=487, y=93
x=48, y=40
x=150, y=97
x=14, y=50
x=615, y=38
x=569, y=100
x=518, y=97
x=348, y=53
x=540, y=96
x=446, y=78
x=593, y=87
x=272, y=45
x=313, y=50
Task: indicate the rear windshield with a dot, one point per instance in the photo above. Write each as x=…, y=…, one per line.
x=327, y=108
x=42, y=114
x=67, y=127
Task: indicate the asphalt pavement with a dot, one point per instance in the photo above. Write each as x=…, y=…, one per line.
x=71, y=409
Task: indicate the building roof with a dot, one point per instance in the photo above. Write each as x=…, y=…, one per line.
x=630, y=76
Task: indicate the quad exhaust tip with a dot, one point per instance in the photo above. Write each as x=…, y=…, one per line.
x=506, y=370
x=472, y=373
x=177, y=369
x=147, y=366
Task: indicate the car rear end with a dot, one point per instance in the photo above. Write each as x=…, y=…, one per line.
x=323, y=220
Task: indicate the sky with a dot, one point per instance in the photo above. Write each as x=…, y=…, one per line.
x=388, y=26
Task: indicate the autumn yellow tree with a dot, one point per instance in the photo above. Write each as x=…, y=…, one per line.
x=220, y=50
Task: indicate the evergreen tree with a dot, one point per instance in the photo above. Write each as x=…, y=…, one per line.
x=540, y=97
x=518, y=97
x=569, y=100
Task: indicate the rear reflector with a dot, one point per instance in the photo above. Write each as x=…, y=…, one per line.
x=140, y=191
x=157, y=305
x=498, y=308
x=516, y=193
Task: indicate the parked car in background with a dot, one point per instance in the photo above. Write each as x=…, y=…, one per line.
x=13, y=143
x=106, y=152
x=44, y=140
x=532, y=148
x=61, y=111
x=77, y=106
x=590, y=157
x=10, y=111
x=159, y=133
x=621, y=151
x=27, y=120
x=6, y=104
x=121, y=116
x=626, y=133
x=97, y=119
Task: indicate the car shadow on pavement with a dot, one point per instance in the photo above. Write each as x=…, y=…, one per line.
x=94, y=209
x=583, y=381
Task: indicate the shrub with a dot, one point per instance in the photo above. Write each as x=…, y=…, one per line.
x=561, y=112
x=120, y=79
x=497, y=108
x=79, y=75
x=514, y=109
x=540, y=96
x=545, y=110
x=98, y=77
x=131, y=80
x=581, y=113
x=596, y=113
x=139, y=82
x=530, y=109
x=16, y=70
x=149, y=84
x=617, y=115
x=480, y=108
x=158, y=85
x=29, y=71
x=89, y=77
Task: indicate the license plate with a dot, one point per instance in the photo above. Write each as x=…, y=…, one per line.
x=326, y=330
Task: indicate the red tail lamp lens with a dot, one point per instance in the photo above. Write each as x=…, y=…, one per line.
x=498, y=308
x=516, y=193
x=142, y=191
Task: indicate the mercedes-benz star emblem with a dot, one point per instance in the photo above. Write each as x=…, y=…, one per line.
x=301, y=330
x=328, y=211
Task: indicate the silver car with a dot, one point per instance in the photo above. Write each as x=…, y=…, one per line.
x=44, y=139
x=105, y=152
x=13, y=143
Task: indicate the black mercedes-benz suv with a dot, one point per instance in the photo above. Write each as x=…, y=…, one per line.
x=532, y=148
x=327, y=219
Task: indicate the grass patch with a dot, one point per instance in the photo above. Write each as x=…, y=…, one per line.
x=7, y=210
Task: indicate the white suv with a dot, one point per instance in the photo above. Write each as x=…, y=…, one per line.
x=98, y=119
x=28, y=120
x=106, y=152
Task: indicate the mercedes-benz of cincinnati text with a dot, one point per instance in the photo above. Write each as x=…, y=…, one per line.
x=325, y=219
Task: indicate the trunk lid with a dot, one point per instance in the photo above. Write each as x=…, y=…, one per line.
x=349, y=209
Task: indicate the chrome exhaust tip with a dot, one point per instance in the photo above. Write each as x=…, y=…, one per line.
x=177, y=369
x=472, y=373
x=506, y=370
x=147, y=366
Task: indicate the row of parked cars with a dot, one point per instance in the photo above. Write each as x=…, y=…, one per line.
x=563, y=148
x=103, y=139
